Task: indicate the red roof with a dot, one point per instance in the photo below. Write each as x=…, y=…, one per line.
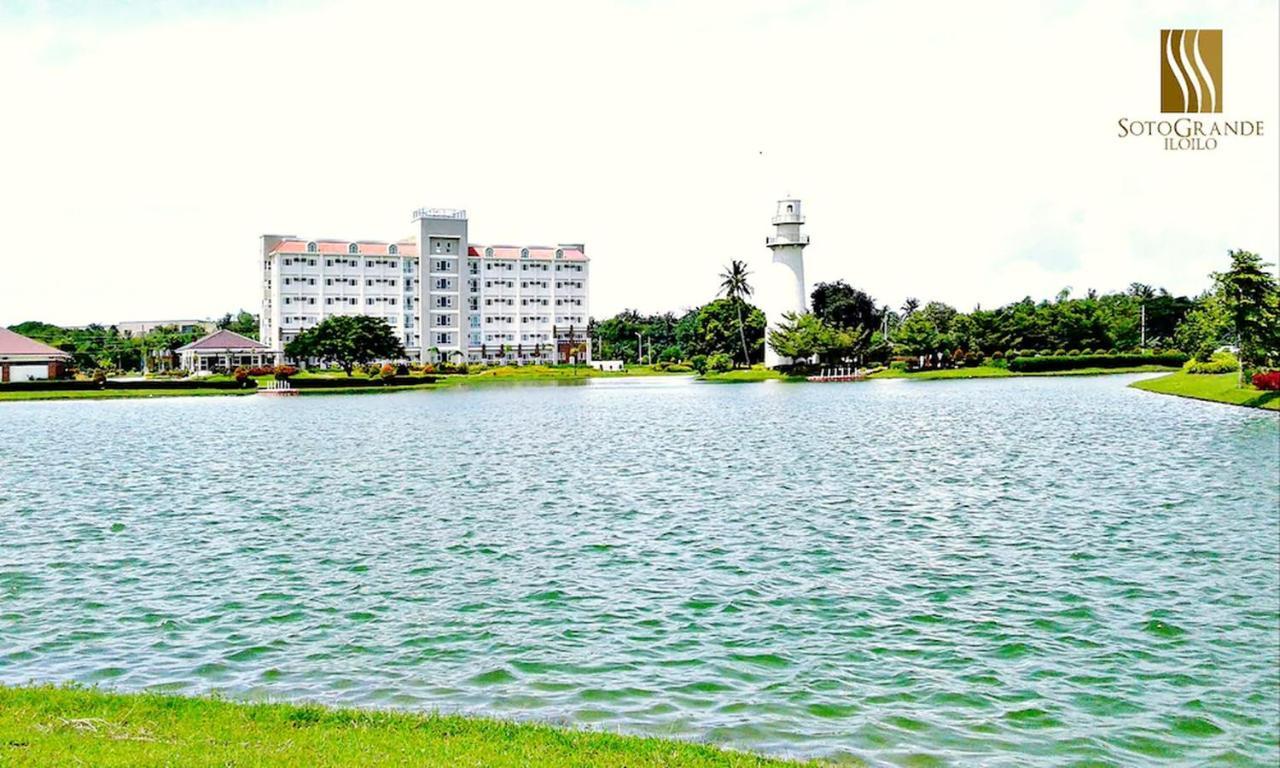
x=340, y=247
x=224, y=339
x=536, y=252
x=14, y=344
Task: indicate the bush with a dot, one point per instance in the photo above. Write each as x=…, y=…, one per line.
x=671, y=354
x=429, y=368
x=678, y=368
x=461, y=368
x=1044, y=352
x=1268, y=380
x=241, y=375
x=699, y=363
x=997, y=355
x=387, y=371
x=1219, y=362
x=284, y=372
x=1066, y=363
x=719, y=362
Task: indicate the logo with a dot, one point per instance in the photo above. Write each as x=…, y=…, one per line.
x=1190, y=86
x=1190, y=70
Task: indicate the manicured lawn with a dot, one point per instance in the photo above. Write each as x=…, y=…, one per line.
x=750, y=374
x=977, y=372
x=1220, y=388
x=114, y=394
x=45, y=725
x=989, y=372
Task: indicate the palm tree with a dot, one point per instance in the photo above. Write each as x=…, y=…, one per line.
x=734, y=286
x=909, y=306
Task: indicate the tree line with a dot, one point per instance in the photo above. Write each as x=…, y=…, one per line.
x=1241, y=308
x=98, y=346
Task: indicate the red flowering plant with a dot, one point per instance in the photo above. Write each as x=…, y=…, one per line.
x=1268, y=380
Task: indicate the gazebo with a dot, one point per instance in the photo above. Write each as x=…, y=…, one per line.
x=224, y=351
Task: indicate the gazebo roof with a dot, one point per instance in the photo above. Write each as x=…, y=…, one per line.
x=224, y=341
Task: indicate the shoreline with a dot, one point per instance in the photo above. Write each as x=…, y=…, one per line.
x=558, y=376
x=1210, y=388
x=56, y=725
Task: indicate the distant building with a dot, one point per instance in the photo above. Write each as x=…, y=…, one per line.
x=23, y=359
x=225, y=351
x=143, y=327
x=443, y=296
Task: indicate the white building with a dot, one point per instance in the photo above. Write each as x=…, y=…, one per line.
x=781, y=286
x=445, y=297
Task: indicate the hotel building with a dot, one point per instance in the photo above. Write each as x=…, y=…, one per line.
x=444, y=296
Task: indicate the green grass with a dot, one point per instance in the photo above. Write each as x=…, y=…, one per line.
x=46, y=725
x=757, y=373
x=991, y=372
x=116, y=394
x=1219, y=388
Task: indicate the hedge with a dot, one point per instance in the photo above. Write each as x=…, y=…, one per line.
x=1068, y=362
x=67, y=385
x=343, y=382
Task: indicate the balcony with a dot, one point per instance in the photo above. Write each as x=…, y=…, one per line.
x=784, y=240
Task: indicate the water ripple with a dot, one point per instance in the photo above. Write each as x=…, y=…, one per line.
x=1012, y=573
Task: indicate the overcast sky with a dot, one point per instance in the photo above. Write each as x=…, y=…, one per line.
x=965, y=152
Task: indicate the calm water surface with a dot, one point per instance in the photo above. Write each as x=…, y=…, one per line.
x=1029, y=572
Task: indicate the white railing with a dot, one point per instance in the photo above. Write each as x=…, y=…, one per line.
x=439, y=213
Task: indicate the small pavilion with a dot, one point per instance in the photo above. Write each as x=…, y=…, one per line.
x=225, y=351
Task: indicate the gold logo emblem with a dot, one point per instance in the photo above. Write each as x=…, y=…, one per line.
x=1190, y=70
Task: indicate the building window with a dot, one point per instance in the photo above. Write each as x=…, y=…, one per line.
x=393, y=249
x=353, y=248
x=311, y=247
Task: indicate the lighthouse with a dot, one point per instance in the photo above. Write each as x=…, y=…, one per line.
x=783, y=283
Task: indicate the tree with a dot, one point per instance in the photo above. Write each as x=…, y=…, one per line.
x=735, y=288
x=716, y=329
x=1205, y=328
x=799, y=337
x=840, y=305
x=1249, y=296
x=348, y=340
x=909, y=307
x=243, y=323
x=917, y=335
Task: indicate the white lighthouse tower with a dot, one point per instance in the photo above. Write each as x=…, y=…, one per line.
x=783, y=283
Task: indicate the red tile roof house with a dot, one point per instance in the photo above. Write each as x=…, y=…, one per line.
x=23, y=359
x=225, y=351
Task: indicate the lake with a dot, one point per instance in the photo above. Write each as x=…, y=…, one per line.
x=1005, y=572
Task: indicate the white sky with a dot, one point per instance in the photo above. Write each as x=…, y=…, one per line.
x=957, y=151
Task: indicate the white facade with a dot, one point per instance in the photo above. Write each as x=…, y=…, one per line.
x=446, y=298
x=781, y=285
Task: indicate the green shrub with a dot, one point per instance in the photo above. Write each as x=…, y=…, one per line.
x=678, y=368
x=699, y=363
x=1220, y=362
x=997, y=355
x=719, y=362
x=1065, y=363
x=898, y=365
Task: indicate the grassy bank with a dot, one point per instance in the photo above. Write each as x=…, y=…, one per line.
x=117, y=394
x=1218, y=388
x=990, y=372
x=750, y=374
x=46, y=725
